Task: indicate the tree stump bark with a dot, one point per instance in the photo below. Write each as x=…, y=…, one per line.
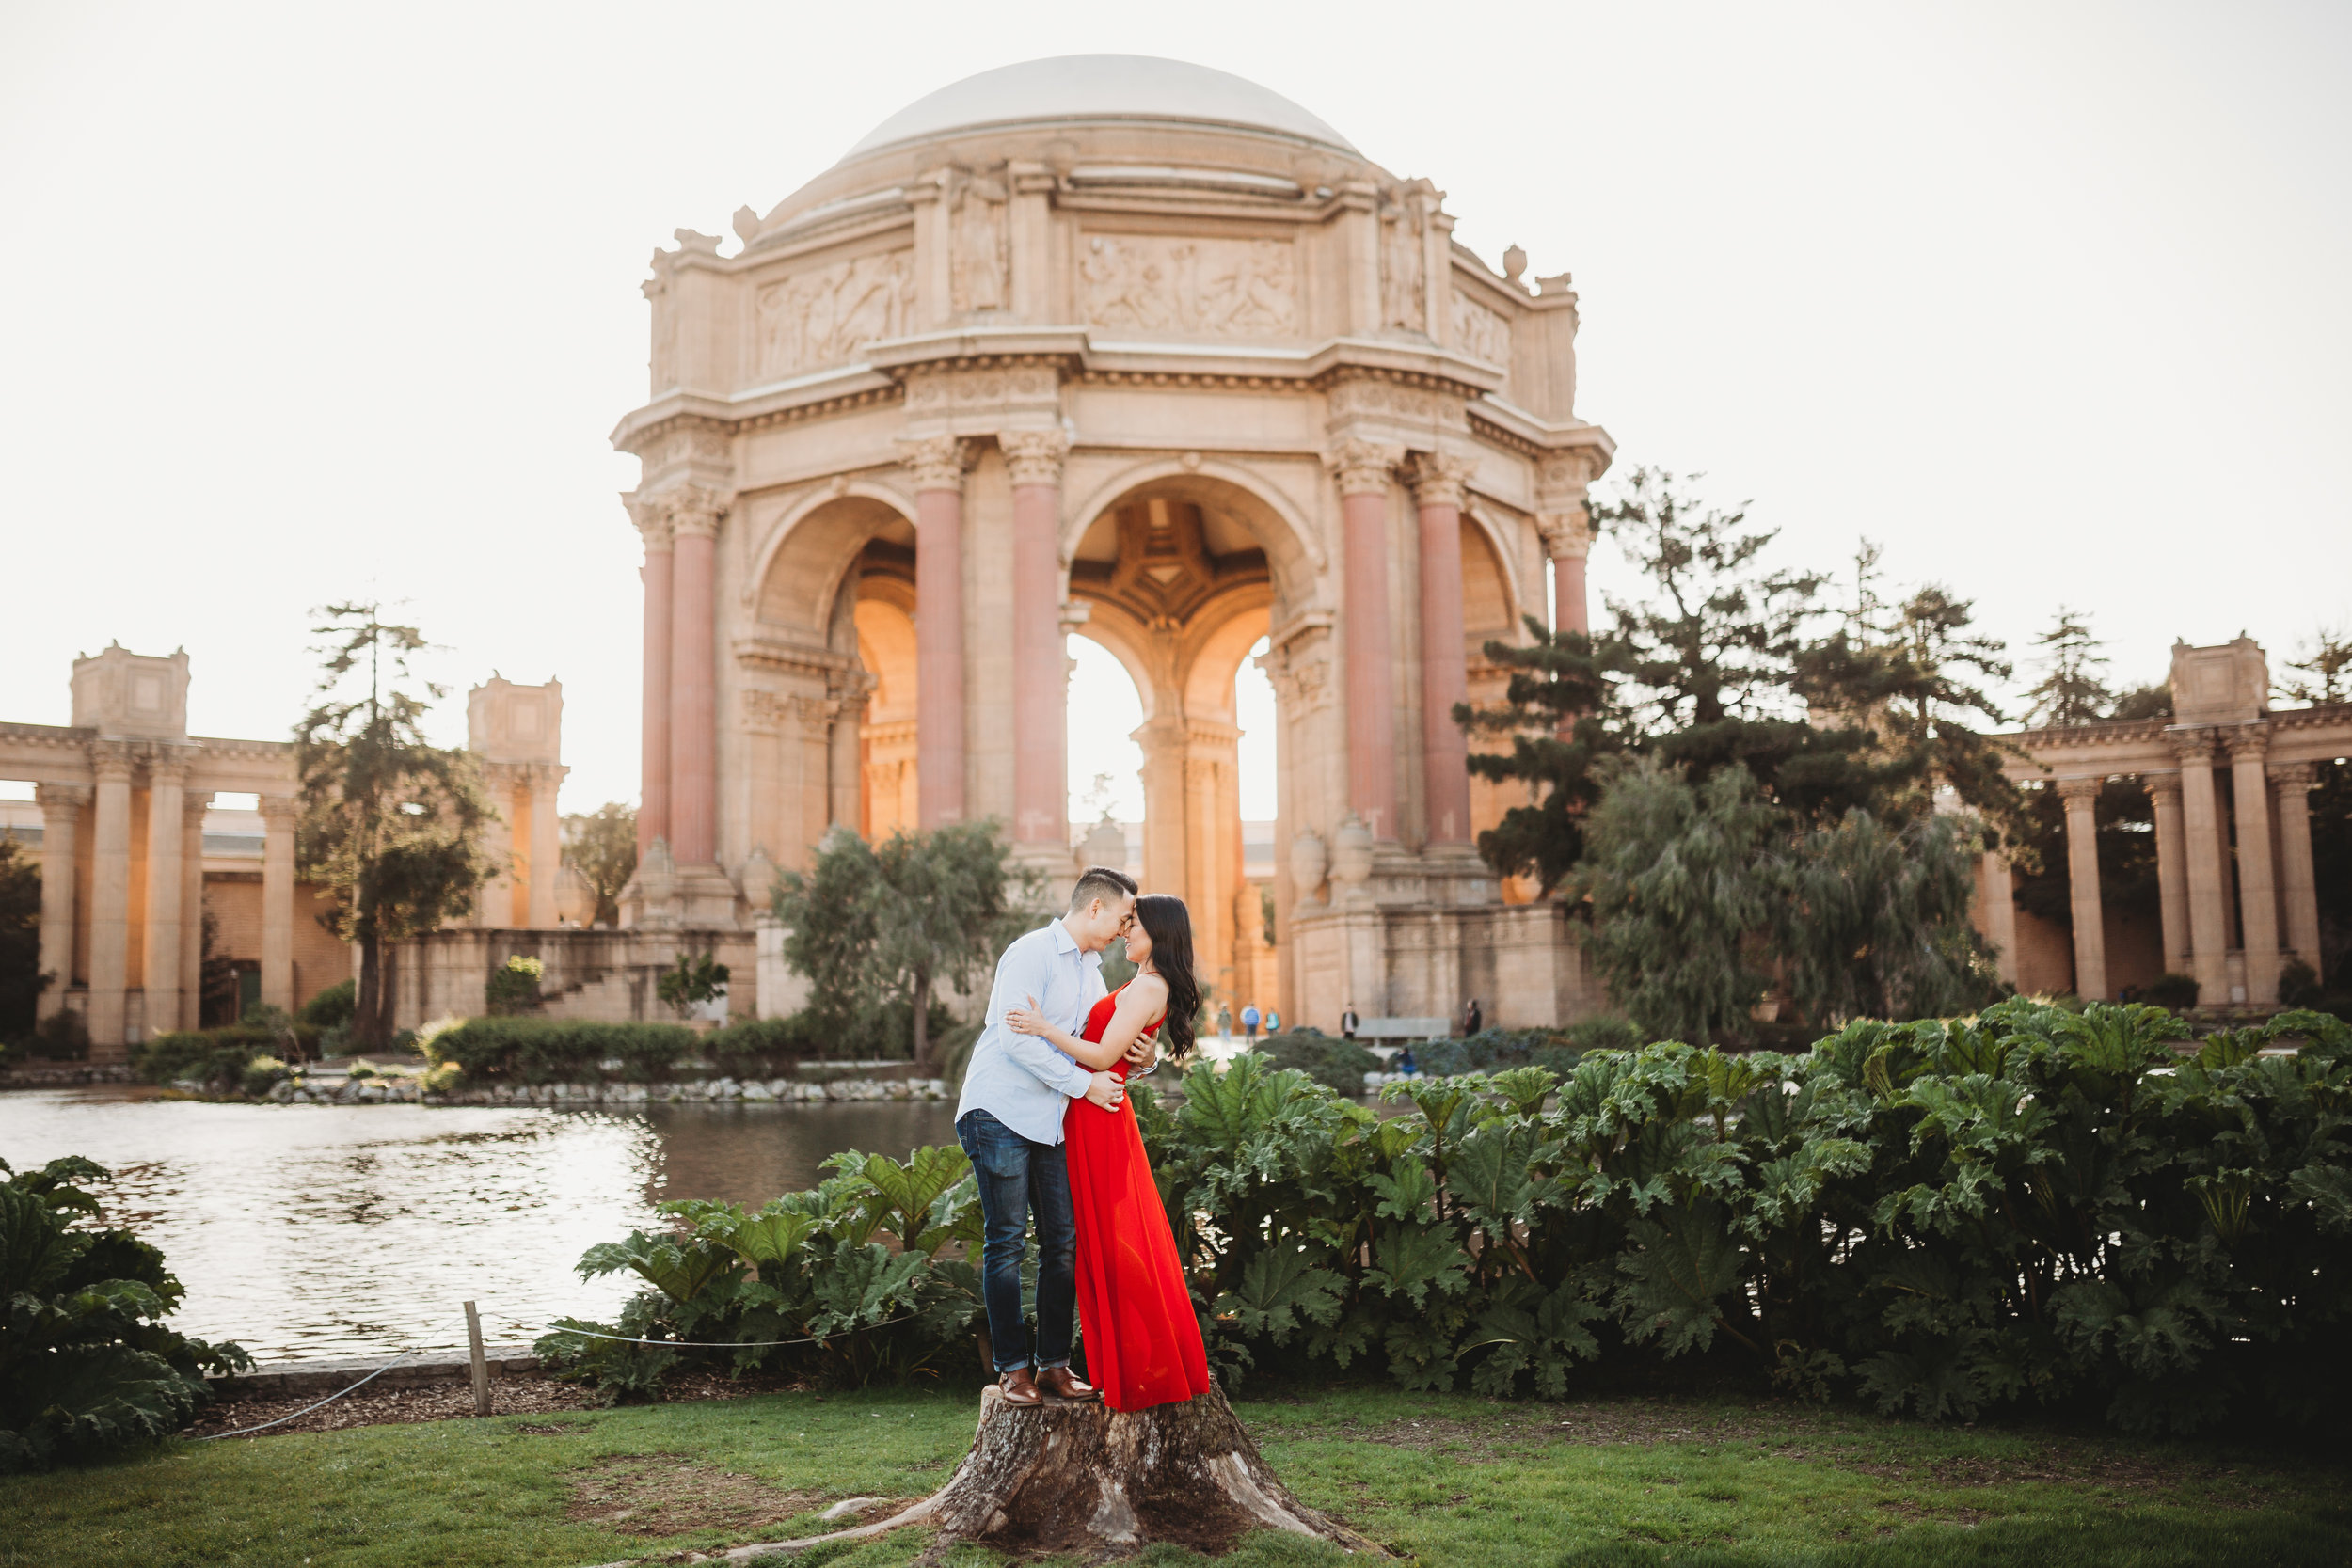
x=1084, y=1478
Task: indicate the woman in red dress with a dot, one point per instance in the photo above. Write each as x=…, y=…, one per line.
x=1142, y=1341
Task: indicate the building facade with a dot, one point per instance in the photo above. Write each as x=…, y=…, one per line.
x=134, y=855
x=1139, y=350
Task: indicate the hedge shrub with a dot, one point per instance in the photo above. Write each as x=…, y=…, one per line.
x=2034, y=1205
x=488, y=1050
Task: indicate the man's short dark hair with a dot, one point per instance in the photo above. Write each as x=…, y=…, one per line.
x=1100, y=881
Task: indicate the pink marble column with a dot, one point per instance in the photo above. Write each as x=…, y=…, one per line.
x=1040, y=682
x=938, y=466
x=1363, y=470
x=61, y=807
x=693, y=515
x=653, y=798
x=1438, y=486
x=2082, y=869
x=1563, y=517
x=193, y=806
x=2257, y=877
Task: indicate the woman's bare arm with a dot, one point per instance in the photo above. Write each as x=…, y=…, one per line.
x=1143, y=1000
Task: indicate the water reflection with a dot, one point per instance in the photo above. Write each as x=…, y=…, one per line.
x=307, y=1231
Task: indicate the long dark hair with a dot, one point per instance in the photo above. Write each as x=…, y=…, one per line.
x=1169, y=924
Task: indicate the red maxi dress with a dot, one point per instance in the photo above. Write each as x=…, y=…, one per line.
x=1142, y=1342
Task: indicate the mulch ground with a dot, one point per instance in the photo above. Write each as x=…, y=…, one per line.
x=525, y=1395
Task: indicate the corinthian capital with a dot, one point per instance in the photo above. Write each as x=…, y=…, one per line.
x=1442, y=478
x=279, y=811
x=938, y=463
x=1568, y=535
x=652, y=526
x=690, y=510
x=1034, y=455
x=2247, y=742
x=2194, y=748
x=2292, y=777
x=2079, y=789
x=1364, y=467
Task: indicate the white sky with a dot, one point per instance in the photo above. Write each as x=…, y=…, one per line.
x=313, y=302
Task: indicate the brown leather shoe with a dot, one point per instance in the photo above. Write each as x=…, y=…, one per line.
x=1063, y=1383
x=1020, y=1387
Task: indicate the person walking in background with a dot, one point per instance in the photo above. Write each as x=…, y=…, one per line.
x=1347, y=1022
x=1224, y=1023
x=1273, y=1021
x=1249, y=1022
x=1470, y=1018
x=1405, y=1064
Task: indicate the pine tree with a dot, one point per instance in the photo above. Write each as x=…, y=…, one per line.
x=1872, y=920
x=392, y=826
x=2327, y=664
x=2070, y=690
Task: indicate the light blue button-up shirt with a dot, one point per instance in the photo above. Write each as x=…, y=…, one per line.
x=1024, y=1081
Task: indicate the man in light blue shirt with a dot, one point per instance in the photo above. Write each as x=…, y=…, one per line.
x=1009, y=1122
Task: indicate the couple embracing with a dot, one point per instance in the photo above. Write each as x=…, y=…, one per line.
x=1045, y=1118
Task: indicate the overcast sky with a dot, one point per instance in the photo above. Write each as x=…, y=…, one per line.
x=316, y=302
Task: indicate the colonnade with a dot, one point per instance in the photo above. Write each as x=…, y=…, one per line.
x=2237, y=896
x=679, y=771
x=165, y=908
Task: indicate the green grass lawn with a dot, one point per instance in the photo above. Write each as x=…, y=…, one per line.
x=1447, y=1480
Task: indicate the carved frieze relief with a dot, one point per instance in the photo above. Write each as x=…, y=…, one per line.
x=1215, y=287
x=825, y=316
x=1479, y=332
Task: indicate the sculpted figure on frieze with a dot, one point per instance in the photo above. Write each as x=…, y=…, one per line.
x=1158, y=283
x=825, y=316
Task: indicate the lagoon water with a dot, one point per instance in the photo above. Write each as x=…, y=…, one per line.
x=319, y=1230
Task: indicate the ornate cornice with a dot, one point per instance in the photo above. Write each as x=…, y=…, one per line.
x=1034, y=456
x=1364, y=467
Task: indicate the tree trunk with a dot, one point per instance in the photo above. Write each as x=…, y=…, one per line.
x=364, y=1012
x=1060, y=1478
x=922, y=1017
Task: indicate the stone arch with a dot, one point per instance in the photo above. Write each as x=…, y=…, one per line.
x=1495, y=533
x=807, y=542
x=1293, y=548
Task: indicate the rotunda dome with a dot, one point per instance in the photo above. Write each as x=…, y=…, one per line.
x=1099, y=88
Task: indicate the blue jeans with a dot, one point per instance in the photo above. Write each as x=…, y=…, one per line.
x=1016, y=1176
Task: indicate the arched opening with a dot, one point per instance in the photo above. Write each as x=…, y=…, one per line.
x=1180, y=576
x=828, y=681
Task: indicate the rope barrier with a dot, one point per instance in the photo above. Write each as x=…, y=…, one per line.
x=720, y=1345
x=583, y=1333
x=214, y=1436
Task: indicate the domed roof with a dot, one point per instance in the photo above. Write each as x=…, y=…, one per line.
x=1098, y=86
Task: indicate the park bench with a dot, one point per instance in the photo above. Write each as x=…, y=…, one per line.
x=1371, y=1031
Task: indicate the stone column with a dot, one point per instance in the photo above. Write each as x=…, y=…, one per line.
x=1363, y=468
x=2000, y=913
x=938, y=464
x=2298, y=881
x=193, y=806
x=1041, y=684
x=167, y=781
x=693, y=514
x=1564, y=518
x=2257, y=879
x=845, y=755
x=1166, y=820
x=110, y=897
x=2082, y=869
x=493, y=902
x=547, y=845
x=653, y=798
x=60, y=824
x=278, y=890
x=2201, y=824
x=2164, y=791
x=1438, y=487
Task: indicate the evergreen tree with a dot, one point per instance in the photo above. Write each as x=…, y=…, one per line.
x=1873, y=921
x=1679, y=876
x=392, y=826
x=2070, y=690
x=2326, y=668
x=1555, y=713
x=20, y=979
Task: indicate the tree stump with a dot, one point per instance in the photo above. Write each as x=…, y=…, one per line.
x=1084, y=1478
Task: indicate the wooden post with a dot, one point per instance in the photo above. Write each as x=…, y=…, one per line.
x=481, y=1365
